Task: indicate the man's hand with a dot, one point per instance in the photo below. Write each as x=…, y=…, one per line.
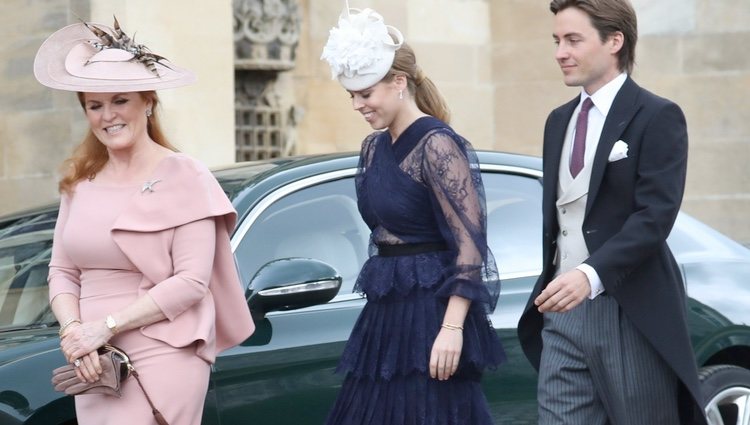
x=564, y=293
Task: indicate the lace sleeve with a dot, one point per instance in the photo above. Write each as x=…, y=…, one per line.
x=452, y=172
x=365, y=159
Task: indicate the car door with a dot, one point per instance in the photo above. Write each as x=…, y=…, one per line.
x=514, y=234
x=284, y=374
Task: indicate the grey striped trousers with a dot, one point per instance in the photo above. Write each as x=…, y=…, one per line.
x=596, y=368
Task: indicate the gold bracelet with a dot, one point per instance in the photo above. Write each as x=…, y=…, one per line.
x=452, y=327
x=66, y=324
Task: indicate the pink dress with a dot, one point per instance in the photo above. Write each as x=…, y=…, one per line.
x=175, y=378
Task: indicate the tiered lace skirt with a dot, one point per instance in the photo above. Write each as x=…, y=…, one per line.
x=386, y=360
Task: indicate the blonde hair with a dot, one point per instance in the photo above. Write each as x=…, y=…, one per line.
x=90, y=155
x=426, y=94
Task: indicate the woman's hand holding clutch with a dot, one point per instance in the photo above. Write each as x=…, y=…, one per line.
x=80, y=344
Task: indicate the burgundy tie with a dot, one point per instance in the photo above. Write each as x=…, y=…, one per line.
x=579, y=142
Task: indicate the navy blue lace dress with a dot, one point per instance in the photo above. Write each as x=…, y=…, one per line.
x=426, y=191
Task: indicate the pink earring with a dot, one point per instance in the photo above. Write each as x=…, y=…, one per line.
x=401, y=95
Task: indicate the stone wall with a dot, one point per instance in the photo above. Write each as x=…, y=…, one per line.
x=695, y=52
x=198, y=119
x=452, y=42
x=39, y=127
x=492, y=59
x=690, y=51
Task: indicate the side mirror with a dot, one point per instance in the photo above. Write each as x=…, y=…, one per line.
x=291, y=283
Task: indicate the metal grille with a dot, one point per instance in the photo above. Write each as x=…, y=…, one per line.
x=266, y=34
x=260, y=125
x=259, y=133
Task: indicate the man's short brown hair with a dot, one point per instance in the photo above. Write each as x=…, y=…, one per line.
x=609, y=17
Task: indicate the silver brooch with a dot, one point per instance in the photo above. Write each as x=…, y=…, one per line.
x=149, y=185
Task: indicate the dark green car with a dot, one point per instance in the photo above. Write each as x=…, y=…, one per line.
x=299, y=245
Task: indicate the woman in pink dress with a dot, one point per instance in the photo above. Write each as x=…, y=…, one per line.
x=141, y=254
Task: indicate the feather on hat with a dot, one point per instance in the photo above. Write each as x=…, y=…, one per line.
x=87, y=57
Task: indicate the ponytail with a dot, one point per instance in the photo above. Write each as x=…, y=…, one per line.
x=428, y=98
x=425, y=93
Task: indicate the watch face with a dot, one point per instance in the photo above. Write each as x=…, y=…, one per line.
x=111, y=322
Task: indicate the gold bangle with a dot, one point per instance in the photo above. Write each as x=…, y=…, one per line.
x=66, y=324
x=452, y=327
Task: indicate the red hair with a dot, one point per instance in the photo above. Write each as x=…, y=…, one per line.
x=90, y=155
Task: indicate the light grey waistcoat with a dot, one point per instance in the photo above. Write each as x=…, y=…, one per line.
x=572, y=195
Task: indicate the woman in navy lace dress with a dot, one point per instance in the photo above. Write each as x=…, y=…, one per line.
x=418, y=349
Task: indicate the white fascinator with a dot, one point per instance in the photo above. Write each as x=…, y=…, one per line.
x=361, y=49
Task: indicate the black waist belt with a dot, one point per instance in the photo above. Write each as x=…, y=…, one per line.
x=410, y=248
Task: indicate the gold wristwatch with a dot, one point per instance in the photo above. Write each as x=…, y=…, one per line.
x=111, y=324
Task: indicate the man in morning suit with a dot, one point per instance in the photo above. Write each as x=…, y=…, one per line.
x=606, y=321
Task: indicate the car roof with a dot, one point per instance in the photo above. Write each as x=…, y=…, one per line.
x=247, y=182
x=266, y=175
x=262, y=177
x=235, y=176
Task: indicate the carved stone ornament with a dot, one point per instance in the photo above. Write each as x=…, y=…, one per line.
x=266, y=34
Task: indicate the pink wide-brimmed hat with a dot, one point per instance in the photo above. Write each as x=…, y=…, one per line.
x=88, y=57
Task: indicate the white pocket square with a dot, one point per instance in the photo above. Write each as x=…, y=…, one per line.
x=619, y=151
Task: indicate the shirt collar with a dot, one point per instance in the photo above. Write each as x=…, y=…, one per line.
x=605, y=96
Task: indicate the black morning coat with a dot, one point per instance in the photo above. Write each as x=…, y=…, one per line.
x=632, y=205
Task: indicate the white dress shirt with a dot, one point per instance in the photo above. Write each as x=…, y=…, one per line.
x=602, y=99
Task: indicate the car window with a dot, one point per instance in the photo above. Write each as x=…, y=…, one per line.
x=320, y=222
x=25, y=249
x=514, y=222
x=323, y=222
x=691, y=240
